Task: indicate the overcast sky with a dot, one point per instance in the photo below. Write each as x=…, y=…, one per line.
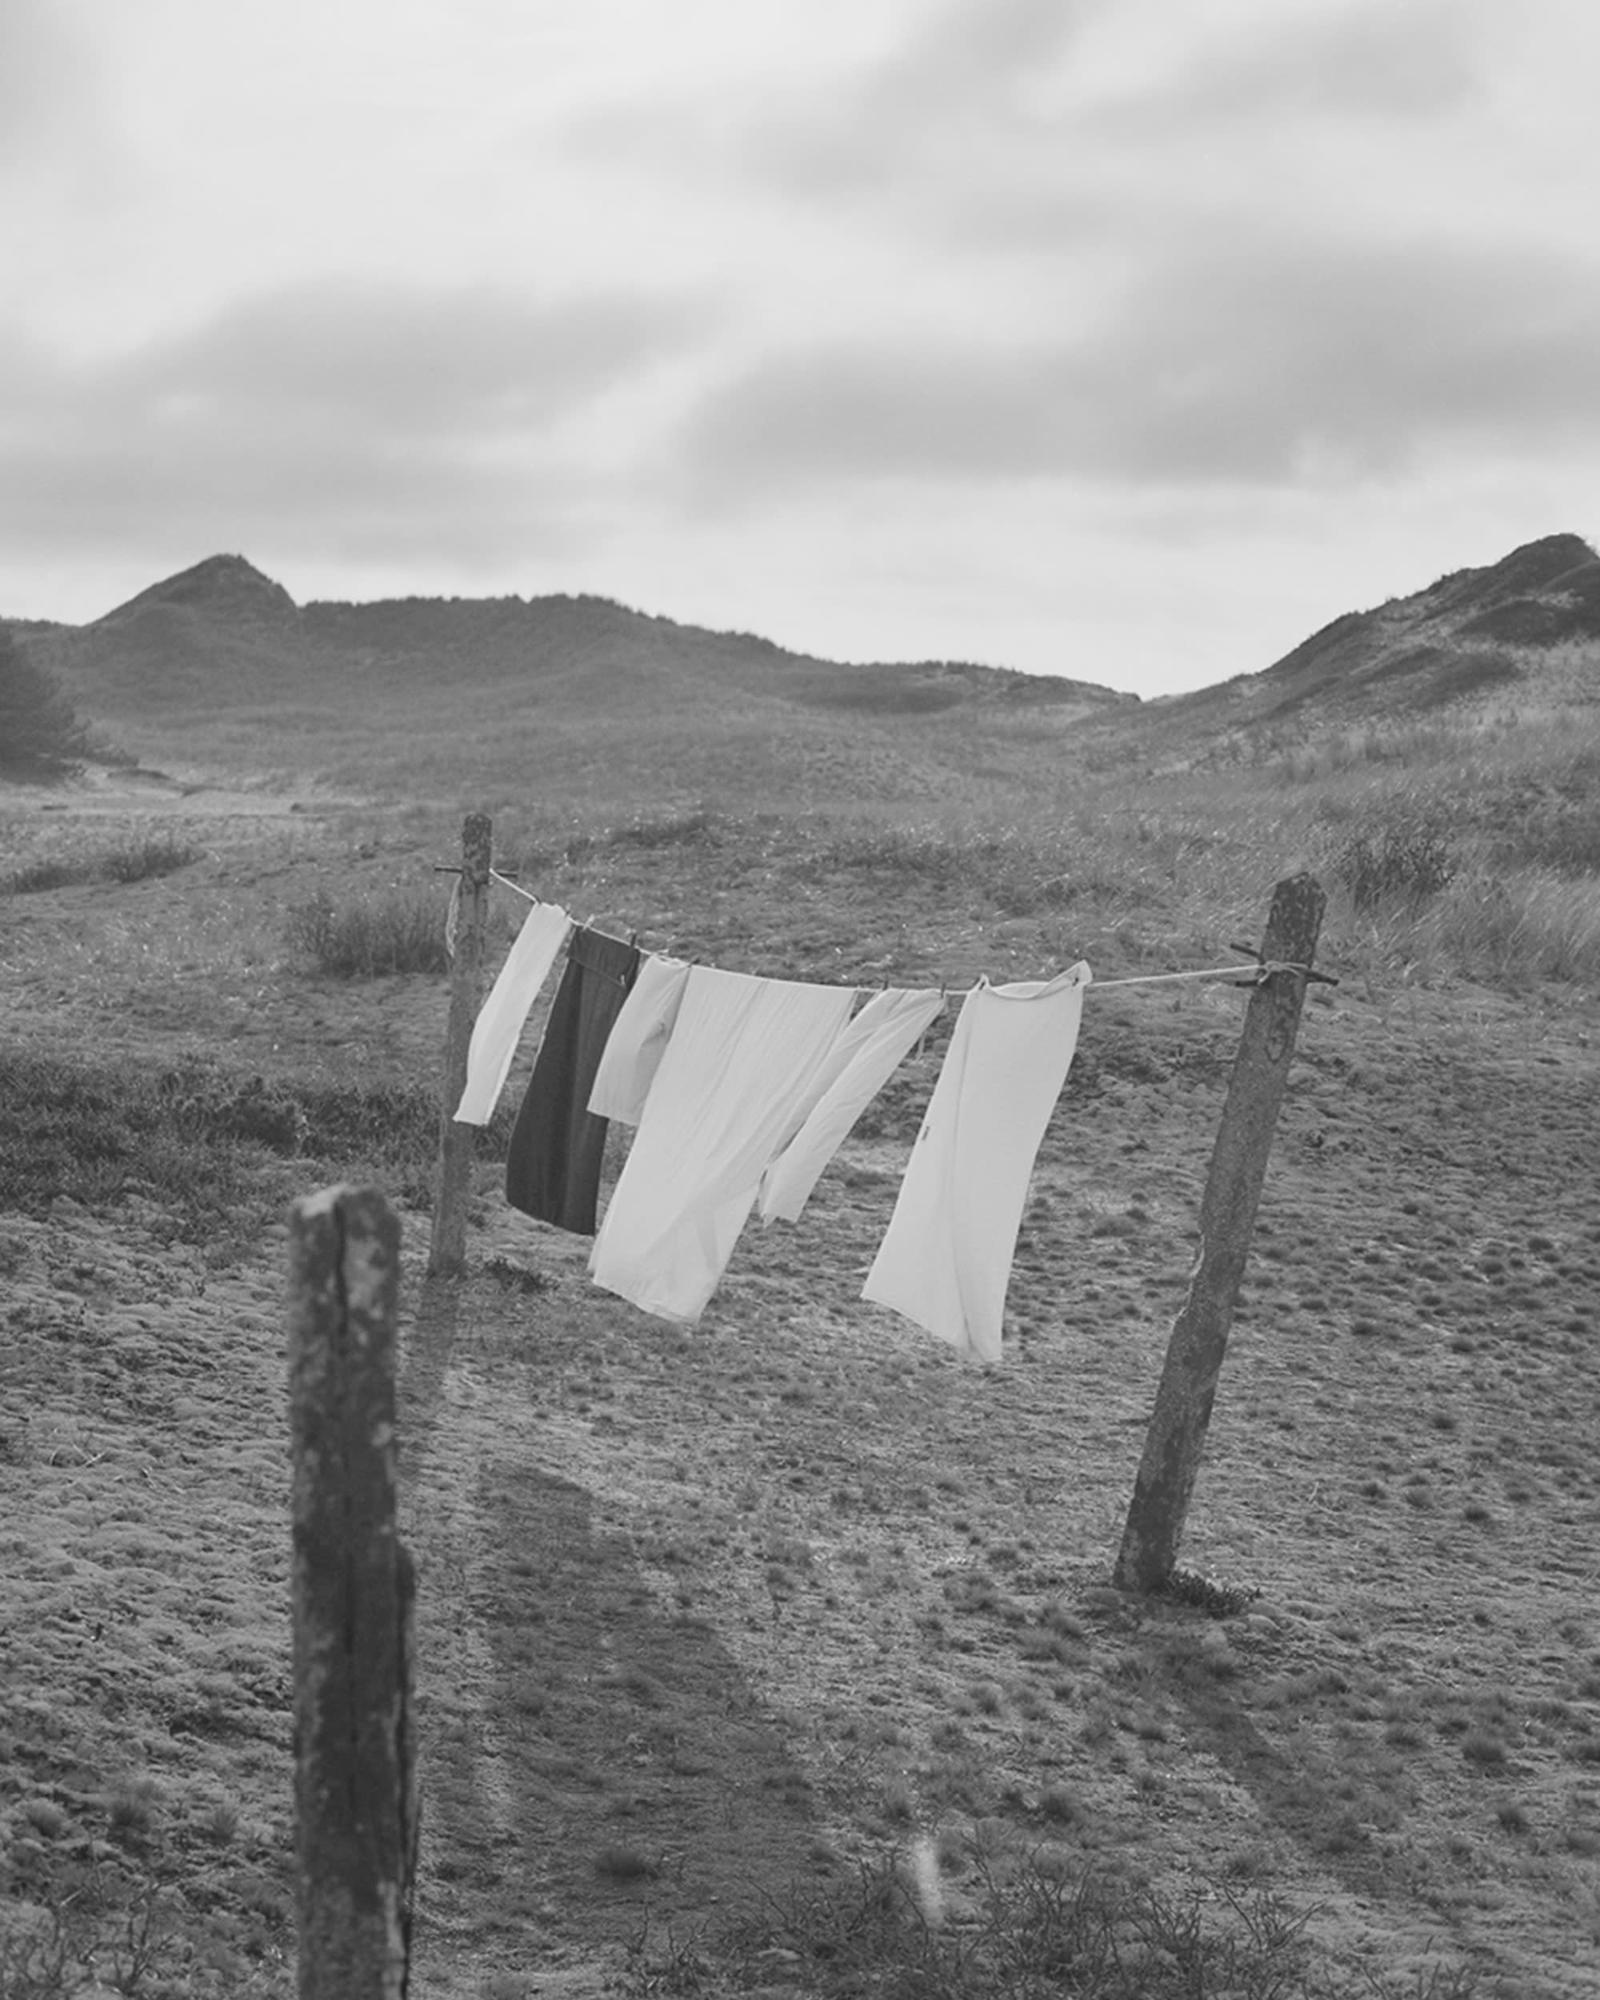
x=1125, y=339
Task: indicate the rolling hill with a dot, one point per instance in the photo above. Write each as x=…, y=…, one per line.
x=218, y=669
x=1526, y=628
x=219, y=666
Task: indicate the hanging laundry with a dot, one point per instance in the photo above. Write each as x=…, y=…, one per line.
x=738, y=1067
x=945, y=1260
x=633, y=1053
x=500, y=1019
x=860, y=1063
x=557, y=1144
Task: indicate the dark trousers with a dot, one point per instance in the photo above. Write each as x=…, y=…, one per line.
x=553, y=1167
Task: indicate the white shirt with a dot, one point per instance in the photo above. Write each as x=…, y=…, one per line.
x=736, y=1072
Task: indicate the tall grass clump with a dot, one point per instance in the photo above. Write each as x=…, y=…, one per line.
x=196, y=1140
x=1307, y=756
x=1407, y=860
x=142, y=860
x=134, y=861
x=98, y=1136
x=1518, y=926
x=1548, y=817
x=403, y=931
x=38, y=876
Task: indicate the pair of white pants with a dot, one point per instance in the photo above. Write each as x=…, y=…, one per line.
x=733, y=1082
x=860, y=1063
x=638, y=1040
x=500, y=1020
x=945, y=1261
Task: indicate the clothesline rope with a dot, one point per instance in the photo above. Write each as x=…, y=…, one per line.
x=1254, y=971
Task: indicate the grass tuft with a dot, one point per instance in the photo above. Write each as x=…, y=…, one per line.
x=134, y=861
x=372, y=937
x=1029, y=1931
x=623, y=1864
x=195, y=1139
x=143, y=860
x=514, y=1277
x=699, y=828
x=1219, y=1600
x=1407, y=861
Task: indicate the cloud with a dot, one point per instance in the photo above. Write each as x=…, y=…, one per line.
x=43, y=75
x=1371, y=60
x=336, y=413
x=964, y=56
x=1052, y=129
x=963, y=72
x=1249, y=357
x=1063, y=138
x=962, y=67
x=417, y=362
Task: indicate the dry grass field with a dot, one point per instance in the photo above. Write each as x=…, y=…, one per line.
x=778, y=1655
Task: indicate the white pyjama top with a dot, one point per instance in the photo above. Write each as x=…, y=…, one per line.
x=945, y=1260
x=738, y=1065
x=638, y=1038
x=860, y=1063
x=500, y=1019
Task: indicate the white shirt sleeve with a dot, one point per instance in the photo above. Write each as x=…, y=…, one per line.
x=869, y=1051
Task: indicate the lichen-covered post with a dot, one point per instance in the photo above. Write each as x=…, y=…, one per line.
x=351, y=1590
x=1177, y=1433
x=447, y=1246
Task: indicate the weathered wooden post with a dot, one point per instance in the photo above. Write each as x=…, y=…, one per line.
x=352, y=1593
x=447, y=1246
x=1188, y=1387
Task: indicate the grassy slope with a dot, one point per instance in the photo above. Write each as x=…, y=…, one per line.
x=712, y=1614
x=563, y=697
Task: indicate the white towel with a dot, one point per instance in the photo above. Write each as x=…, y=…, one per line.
x=945, y=1260
x=638, y=1040
x=501, y=1017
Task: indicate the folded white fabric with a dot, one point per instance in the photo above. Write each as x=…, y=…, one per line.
x=740, y=1060
x=638, y=1039
x=500, y=1019
x=860, y=1063
x=945, y=1260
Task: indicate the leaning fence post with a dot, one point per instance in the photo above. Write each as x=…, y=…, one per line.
x=447, y=1247
x=352, y=1595
x=1177, y=1432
